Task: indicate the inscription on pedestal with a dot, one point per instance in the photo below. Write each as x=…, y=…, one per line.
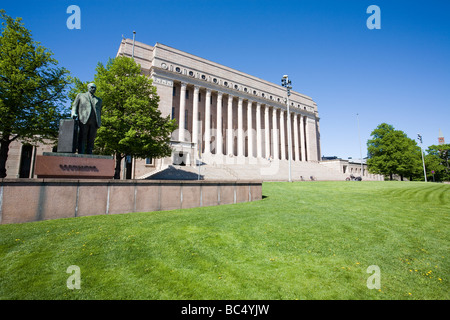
x=74, y=166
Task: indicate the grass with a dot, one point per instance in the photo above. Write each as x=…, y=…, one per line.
x=304, y=240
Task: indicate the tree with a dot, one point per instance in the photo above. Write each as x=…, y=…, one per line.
x=391, y=152
x=32, y=89
x=437, y=160
x=77, y=87
x=132, y=124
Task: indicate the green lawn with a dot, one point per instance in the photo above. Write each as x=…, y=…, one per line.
x=304, y=240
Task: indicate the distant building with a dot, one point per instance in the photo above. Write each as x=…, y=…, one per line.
x=350, y=167
x=441, y=138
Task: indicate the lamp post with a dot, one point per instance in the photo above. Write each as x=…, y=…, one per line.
x=419, y=136
x=132, y=51
x=285, y=82
x=360, y=148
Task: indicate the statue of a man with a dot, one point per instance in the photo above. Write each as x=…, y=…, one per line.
x=87, y=109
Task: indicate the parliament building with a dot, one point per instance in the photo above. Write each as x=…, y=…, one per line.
x=225, y=116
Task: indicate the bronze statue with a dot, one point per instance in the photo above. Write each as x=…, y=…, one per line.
x=87, y=110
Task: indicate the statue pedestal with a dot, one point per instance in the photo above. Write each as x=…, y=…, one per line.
x=74, y=166
x=67, y=138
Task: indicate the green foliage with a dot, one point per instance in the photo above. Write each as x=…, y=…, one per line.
x=78, y=86
x=391, y=152
x=437, y=160
x=32, y=88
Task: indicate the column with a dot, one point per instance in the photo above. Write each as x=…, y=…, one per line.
x=289, y=135
x=258, y=131
x=230, y=126
x=302, y=137
x=266, y=132
x=319, y=149
x=282, y=136
x=296, y=146
x=181, y=127
x=307, y=140
x=312, y=153
x=240, y=151
x=208, y=121
x=219, y=139
x=275, y=141
x=195, y=117
x=249, y=129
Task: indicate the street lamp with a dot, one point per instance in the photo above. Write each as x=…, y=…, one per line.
x=419, y=137
x=360, y=148
x=285, y=82
x=132, y=50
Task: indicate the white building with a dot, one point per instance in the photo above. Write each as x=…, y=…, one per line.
x=223, y=113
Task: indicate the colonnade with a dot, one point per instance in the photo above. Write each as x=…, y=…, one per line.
x=258, y=130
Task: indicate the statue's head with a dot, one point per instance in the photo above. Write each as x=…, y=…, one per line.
x=92, y=88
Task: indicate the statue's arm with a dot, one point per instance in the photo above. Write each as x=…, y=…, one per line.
x=75, y=104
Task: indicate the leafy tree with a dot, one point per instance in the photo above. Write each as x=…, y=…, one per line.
x=437, y=160
x=77, y=87
x=132, y=124
x=32, y=88
x=391, y=152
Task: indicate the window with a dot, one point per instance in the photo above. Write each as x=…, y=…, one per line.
x=174, y=91
x=25, y=161
x=187, y=94
x=149, y=161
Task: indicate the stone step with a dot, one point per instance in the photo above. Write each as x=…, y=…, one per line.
x=249, y=169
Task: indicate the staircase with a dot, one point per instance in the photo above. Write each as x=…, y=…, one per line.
x=233, y=169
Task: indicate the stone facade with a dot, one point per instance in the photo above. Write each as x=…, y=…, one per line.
x=223, y=113
x=349, y=168
x=27, y=200
x=22, y=158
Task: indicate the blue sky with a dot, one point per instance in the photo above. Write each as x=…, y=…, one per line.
x=399, y=74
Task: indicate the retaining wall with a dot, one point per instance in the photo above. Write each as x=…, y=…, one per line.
x=27, y=200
